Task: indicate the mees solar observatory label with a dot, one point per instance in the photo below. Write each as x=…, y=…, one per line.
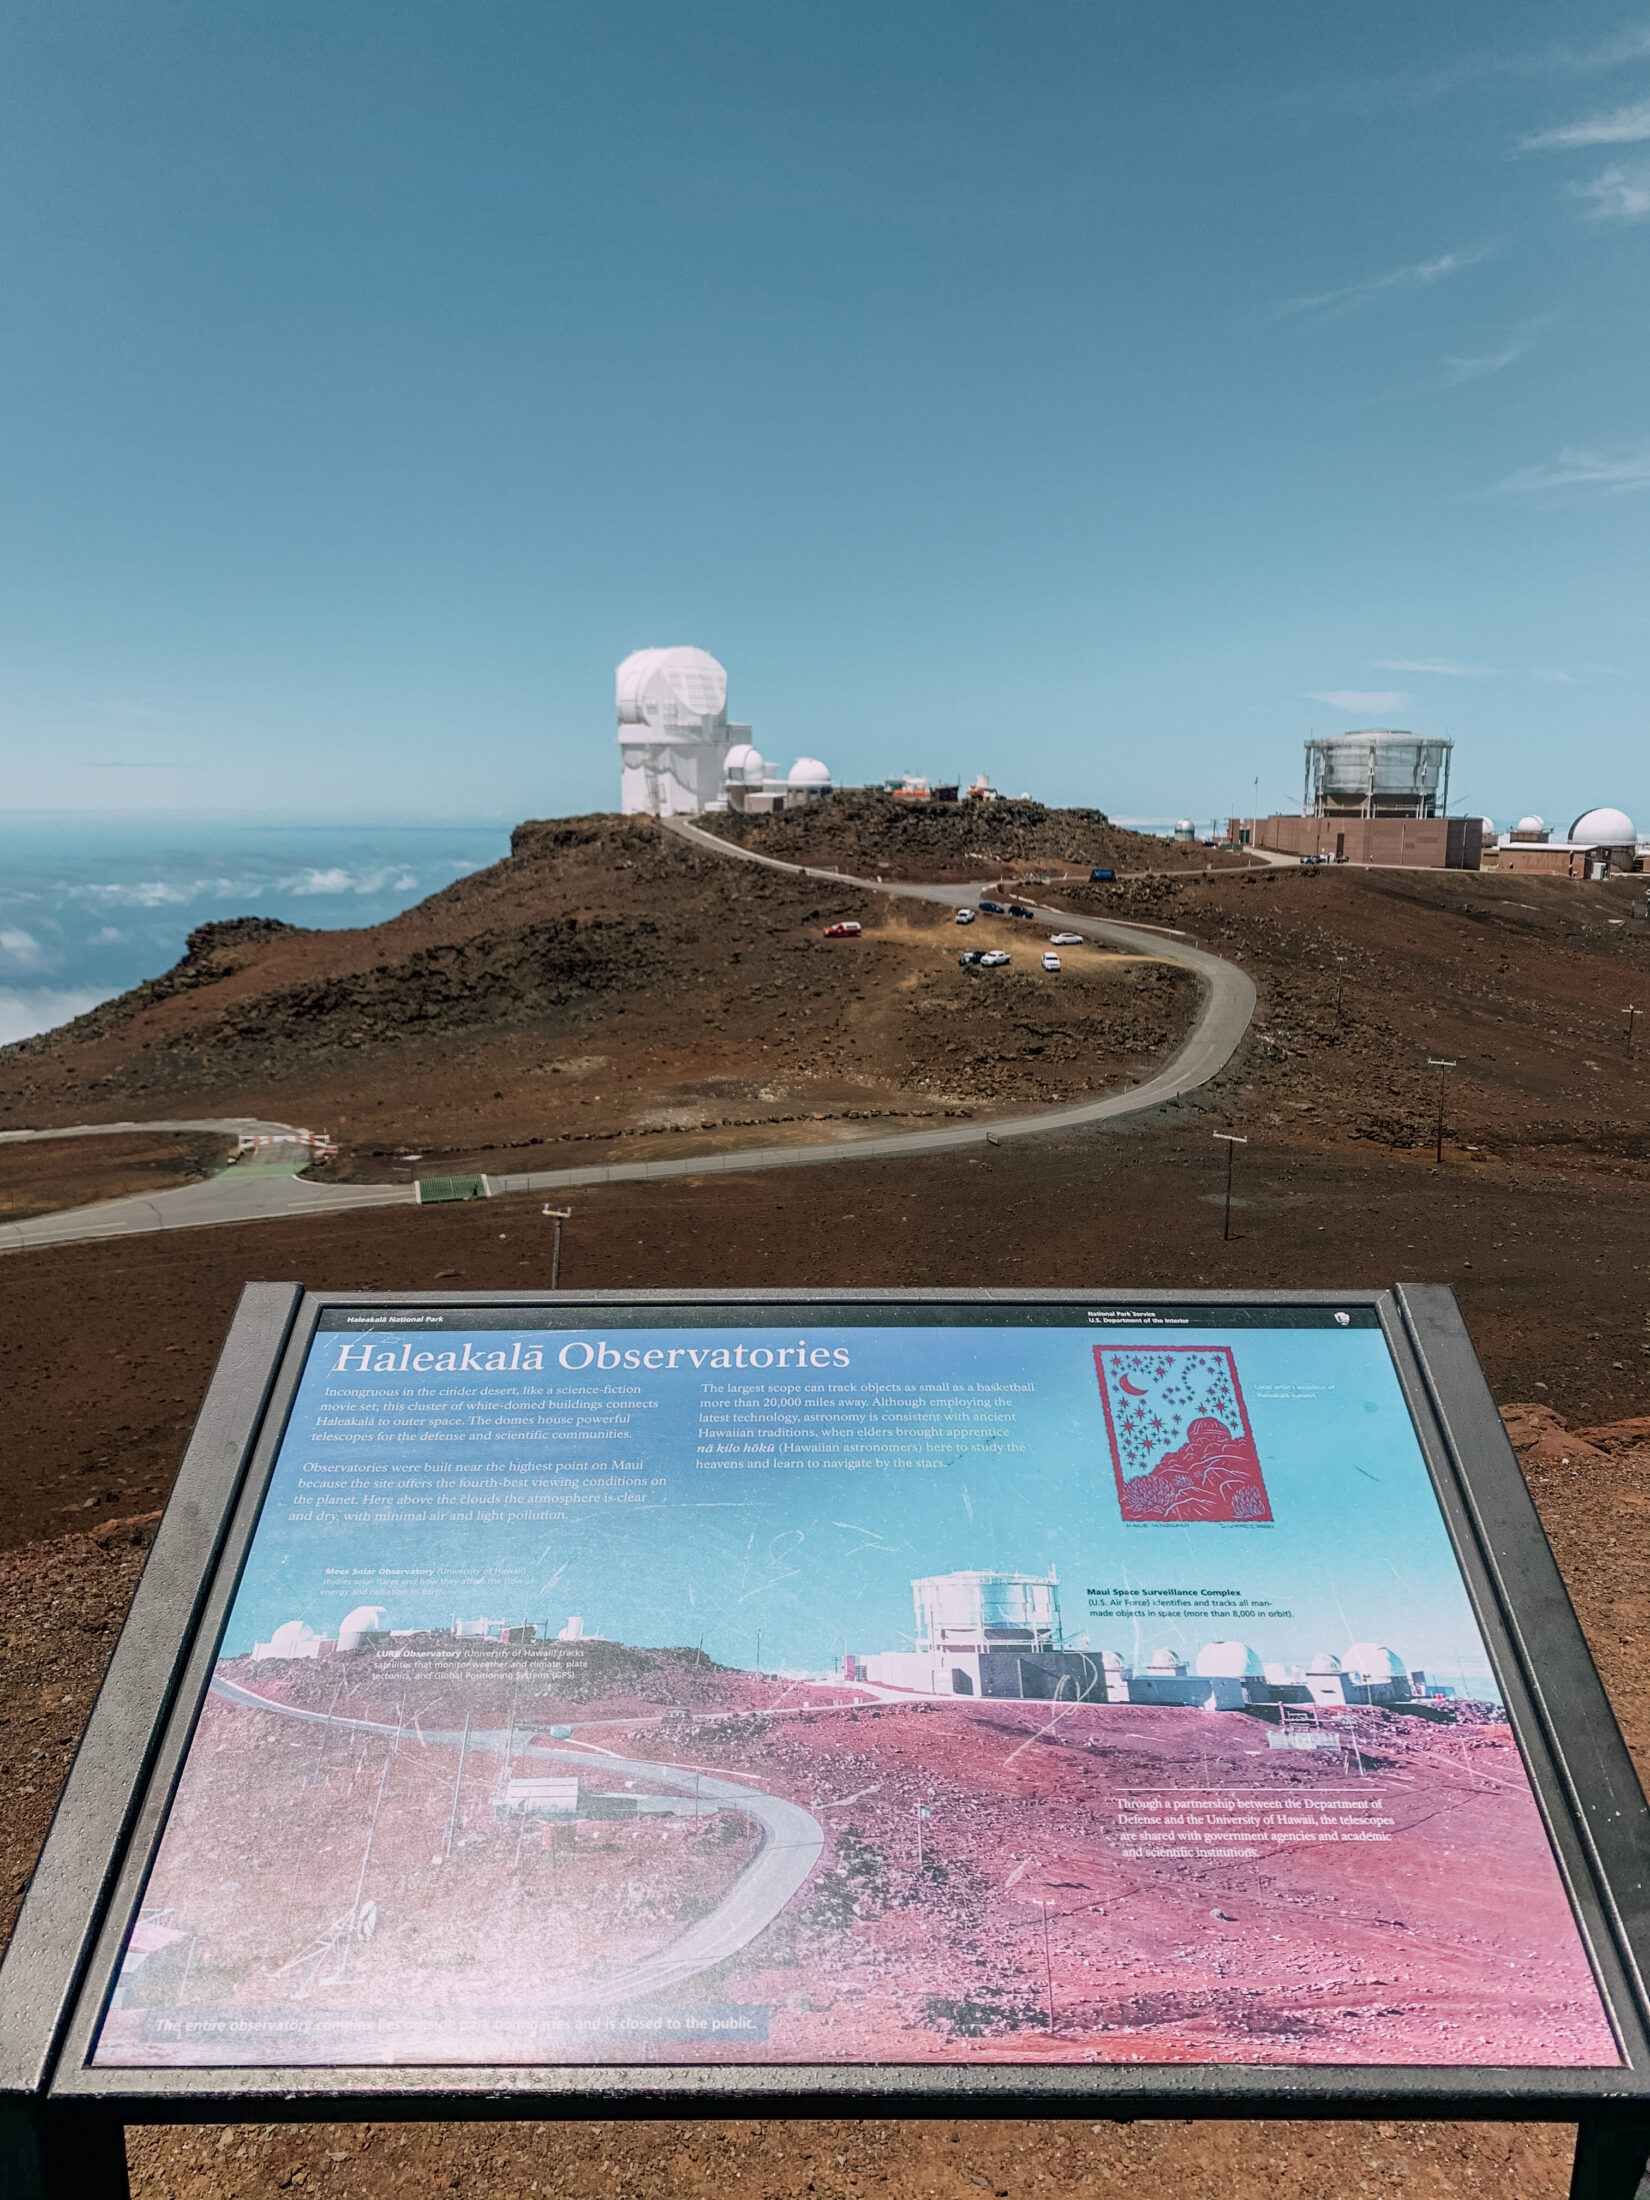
x=1050, y=1687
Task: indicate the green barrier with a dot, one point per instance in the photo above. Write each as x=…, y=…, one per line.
x=434, y=1188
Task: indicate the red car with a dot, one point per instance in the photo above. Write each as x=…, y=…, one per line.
x=844, y=931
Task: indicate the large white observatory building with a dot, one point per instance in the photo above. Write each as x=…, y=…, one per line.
x=679, y=753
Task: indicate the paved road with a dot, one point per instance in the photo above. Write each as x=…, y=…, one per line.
x=792, y=1840
x=1226, y=1005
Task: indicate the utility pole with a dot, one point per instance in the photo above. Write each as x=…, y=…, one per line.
x=1048, y=1967
x=1443, y=1069
x=1231, y=1142
x=558, y=1215
x=1632, y=1018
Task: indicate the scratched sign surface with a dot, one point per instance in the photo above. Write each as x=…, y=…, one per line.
x=1181, y=1445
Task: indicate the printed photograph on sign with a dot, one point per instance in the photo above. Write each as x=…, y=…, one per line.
x=1034, y=1690
x=1180, y=1438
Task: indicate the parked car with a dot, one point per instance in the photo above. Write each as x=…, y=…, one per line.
x=1102, y=876
x=1019, y=909
x=1065, y=939
x=1051, y=961
x=994, y=908
x=1309, y=861
x=993, y=961
x=965, y=916
x=847, y=930
x=970, y=956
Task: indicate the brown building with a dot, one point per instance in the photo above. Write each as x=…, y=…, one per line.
x=1419, y=843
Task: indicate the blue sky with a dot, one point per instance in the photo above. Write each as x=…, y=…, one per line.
x=821, y=1560
x=1103, y=397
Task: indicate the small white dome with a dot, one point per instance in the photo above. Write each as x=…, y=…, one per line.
x=743, y=766
x=1165, y=1661
x=1604, y=829
x=1228, y=1660
x=1531, y=824
x=1373, y=1661
x=366, y=1619
x=290, y=1638
x=1488, y=824
x=808, y=771
x=1324, y=1663
x=1111, y=1661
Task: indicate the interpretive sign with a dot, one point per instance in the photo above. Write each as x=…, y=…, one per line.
x=869, y=1694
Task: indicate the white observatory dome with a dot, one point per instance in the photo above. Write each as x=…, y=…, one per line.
x=1373, y=1661
x=656, y=686
x=743, y=766
x=1604, y=829
x=1531, y=824
x=1165, y=1661
x=291, y=1639
x=1324, y=1663
x=808, y=771
x=1229, y=1661
x=1111, y=1661
x=1489, y=826
x=366, y=1619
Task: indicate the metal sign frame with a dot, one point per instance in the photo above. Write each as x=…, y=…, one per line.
x=61, y=2118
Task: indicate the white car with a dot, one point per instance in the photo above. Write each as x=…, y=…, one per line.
x=965, y=916
x=994, y=961
x=1065, y=939
x=1051, y=961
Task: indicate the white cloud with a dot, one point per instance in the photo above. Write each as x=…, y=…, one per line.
x=158, y=893
x=1616, y=471
x=1359, y=700
x=1619, y=194
x=1444, y=666
x=108, y=935
x=386, y=878
x=1489, y=362
x=1623, y=126
x=1558, y=676
x=21, y=949
x=1419, y=275
x=24, y=1010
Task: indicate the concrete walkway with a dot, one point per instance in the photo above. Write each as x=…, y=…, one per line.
x=1227, y=1003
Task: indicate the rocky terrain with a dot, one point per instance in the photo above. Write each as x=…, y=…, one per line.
x=866, y=832
x=606, y=986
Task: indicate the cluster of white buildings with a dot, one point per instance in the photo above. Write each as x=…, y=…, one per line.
x=680, y=753
x=998, y=1634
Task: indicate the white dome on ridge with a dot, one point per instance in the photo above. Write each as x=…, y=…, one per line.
x=808, y=771
x=1228, y=1660
x=743, y=765
x=1531, y=824
x=1604, y=829
x=1373, y=1661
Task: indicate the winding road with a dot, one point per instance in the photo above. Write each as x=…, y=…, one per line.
x=1225, y=1007
x=792, y=1840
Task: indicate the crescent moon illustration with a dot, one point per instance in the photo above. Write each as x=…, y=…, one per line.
x=1134, y=1390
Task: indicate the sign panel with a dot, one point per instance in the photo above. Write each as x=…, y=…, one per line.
x=946, y=1684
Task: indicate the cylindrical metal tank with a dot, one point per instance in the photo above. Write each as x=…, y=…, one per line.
x=1379, y=771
